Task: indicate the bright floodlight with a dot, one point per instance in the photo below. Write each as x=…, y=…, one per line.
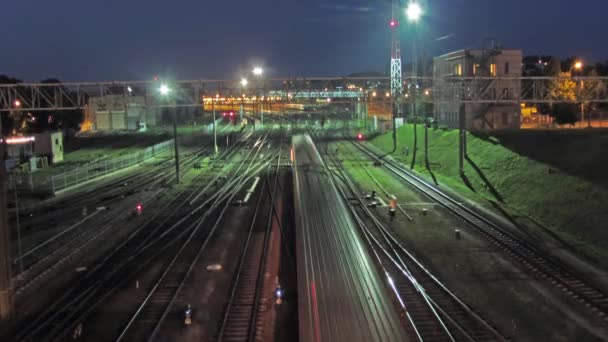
x=258, y=71
x=413, y=11
x=164, y=89
x=578, y=65
x=244, y=82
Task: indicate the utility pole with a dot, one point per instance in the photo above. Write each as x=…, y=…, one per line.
x=414, y=95
x=175, y=143
x=215, y=149
x=461, y=138
x=6, y=300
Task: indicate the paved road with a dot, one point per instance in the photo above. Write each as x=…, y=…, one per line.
x=341, y=296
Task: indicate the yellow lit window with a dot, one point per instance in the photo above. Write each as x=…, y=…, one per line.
x=493, y=69
x=457, y=69
x=475, y=68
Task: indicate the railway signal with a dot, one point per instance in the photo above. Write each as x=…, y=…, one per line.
x=360, y=136
x=188, y=314
x=279, y=293
x=139, y=208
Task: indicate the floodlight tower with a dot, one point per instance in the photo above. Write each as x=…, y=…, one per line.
x=396, y=79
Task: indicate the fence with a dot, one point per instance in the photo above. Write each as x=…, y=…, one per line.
x=91, y=171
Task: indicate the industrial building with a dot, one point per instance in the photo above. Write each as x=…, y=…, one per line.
x=492, y=74
x=118, y=112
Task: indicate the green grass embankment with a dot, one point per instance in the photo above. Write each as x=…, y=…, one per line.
x=555, y=181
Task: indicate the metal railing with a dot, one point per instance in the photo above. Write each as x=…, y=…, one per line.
x=75, y=177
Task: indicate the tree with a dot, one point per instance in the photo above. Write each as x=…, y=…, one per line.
x=565, y=113
x=563, y=88
x=8, y=121
x=52, y=119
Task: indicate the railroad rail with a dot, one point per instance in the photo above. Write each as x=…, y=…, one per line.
x=144, y=244
x=145, y=323
x=541, y=264
x=239, y=322
x=433, y=311
x=48, y=256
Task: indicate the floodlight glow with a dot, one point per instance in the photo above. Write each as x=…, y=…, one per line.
x=413, y=11
x=164, y=89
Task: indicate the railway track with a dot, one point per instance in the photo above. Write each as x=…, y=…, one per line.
x=48, y=256
x=434, y=313
x=161, y=233
x=103, y=195
x=542, y=265
x=147, y=320
x=240, y=320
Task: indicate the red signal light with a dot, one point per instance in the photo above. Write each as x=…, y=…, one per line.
x=231, y=113
x=392, y=23
x=224, y=114
x=360, y=136
x=139, y=207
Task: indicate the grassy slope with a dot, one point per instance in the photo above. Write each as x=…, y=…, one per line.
x=574, y=209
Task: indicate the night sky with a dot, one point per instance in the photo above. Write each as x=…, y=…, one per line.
x=85, y=40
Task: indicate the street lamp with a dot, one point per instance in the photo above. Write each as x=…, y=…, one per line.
x=413, y=11
x=244, y=82
x=578, y=65
x=17, y=103
x=258, y=71
x=164, y=90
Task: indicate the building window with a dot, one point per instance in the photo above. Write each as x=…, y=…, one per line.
x=505, y=93
x=475, y=68
x=506, y=68
x=493, y=69
x=458, y=69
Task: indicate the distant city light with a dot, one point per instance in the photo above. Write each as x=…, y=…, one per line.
x=244, y=82
x=258, y=71
x=413, y=11
x=164, y=89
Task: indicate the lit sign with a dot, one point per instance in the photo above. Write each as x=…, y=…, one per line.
x=18, y=140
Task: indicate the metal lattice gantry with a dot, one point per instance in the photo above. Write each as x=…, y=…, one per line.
x=498, y=90
x=189, y=93
x=396, y=71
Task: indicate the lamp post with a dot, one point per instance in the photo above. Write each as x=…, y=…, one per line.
x=244, y=83
x=578, y=67
x=215, y=148
x=164, y=91
x=413, y=13
x=257, y=72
